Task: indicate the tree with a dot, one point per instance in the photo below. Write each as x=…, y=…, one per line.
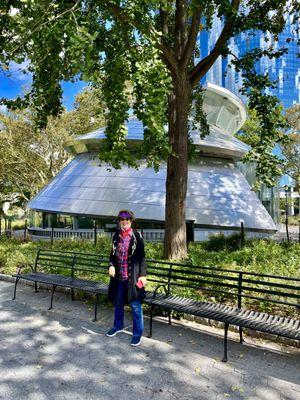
x=154, y=45
x=88, y=113
x=32, y=156
x=291, y=148
x=289, y=143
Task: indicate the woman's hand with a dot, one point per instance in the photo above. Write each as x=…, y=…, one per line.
x=143, y=279
x=112, y=271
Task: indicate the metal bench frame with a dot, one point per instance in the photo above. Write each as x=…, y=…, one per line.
x=173, y=276
x=231, y=284
x=72, y=263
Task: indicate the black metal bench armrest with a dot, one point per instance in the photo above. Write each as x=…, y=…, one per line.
x=156, y=289
x=20, y=267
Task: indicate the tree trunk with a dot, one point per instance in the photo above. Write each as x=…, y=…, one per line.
x=177, y=169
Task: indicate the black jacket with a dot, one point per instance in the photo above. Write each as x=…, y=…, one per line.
x=136, y=267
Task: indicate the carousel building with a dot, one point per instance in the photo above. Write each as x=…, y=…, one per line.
x=219, y=197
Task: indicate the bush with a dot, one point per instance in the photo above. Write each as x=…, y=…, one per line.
x=221, y=242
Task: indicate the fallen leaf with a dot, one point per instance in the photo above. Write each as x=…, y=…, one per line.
x=237, y=388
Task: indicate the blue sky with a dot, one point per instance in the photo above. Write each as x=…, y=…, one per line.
x=16, y=83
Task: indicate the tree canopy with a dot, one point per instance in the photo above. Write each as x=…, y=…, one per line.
x=154, y=45
x=30, y=156
x=291, y=148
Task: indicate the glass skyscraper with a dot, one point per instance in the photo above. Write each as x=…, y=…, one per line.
x=285, y=70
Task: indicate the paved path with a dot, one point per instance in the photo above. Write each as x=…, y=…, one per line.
x=61, y=354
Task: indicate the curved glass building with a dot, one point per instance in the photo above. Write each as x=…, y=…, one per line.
x=218, y=196
x=284, y=70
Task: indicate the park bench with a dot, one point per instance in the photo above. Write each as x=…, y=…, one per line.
x=175, y=283
x=65, y=269
x=179, y=282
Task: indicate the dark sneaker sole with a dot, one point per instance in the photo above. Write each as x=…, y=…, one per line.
x=136, y=344
x=114, y=334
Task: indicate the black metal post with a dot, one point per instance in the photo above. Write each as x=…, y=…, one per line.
x=5, y=225
x=25, y=229
x=299, y=233
x=0, y=225
x=189, y=231
x=287, y=214
x=240, y=288
x=52, y=234
x=242, y=233
x=95, y=233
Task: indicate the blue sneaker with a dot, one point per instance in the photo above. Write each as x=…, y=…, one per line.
x=136, y=340
x=113, y=331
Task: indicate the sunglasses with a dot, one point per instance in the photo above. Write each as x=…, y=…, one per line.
x=124, y=219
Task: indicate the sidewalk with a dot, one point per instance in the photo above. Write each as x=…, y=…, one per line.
x=61, y=354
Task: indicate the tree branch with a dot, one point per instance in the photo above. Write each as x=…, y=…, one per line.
x=164, y=21
x=204, y=65
x=192, y=36
x=167, y=53
x=180, y=27
x=49, y=21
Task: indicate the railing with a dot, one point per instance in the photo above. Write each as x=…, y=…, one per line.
x=152, y=235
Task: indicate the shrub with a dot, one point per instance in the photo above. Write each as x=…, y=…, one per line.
x=221, y=242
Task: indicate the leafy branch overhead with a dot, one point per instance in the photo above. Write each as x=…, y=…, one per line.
x=151, y=44
x=156, y=46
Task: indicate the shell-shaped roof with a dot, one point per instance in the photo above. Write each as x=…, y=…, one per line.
x=225, y=115
x=218, y=194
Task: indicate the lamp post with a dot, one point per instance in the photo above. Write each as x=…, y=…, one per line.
x=286, y=189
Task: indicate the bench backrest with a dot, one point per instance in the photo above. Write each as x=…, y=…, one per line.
x=90, y=266
x=51, y=261
x=74, y=264
x=243, y=289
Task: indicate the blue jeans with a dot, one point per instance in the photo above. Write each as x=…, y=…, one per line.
x=136, y=309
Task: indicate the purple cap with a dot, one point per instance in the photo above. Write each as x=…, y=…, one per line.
x=125, y=215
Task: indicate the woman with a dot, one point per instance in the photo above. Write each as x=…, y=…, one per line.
x=127, y=270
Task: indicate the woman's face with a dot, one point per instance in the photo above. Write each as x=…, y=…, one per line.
x=125, y=223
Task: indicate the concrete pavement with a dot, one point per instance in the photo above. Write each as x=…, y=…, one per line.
x=61, y=354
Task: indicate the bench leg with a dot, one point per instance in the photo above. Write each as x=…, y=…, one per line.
x=35, y=287
x=72, y=294
x=169, y=317
x=15, y=289
x=96, y=307
x=225, y=342
x=52, y=294
x=151, y=320
x=241, y=334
